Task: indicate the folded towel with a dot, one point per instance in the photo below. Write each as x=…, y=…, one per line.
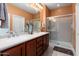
x=4, y=14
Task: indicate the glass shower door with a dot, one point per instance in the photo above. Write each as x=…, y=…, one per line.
x=64, y=30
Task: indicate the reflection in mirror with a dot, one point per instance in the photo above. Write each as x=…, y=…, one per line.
x=26, y=26
x=32, y=26
x=30, y=29
x=3, y=20
x=18, y=24
x=37, y=25
x=29, y=26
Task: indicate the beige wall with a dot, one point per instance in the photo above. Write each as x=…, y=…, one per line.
x=62, y=10
x=35, y=16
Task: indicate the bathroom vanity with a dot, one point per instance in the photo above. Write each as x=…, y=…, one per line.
x=25, y=45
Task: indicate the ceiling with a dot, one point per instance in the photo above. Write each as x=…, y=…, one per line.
x=56, y=5
x=28, y=8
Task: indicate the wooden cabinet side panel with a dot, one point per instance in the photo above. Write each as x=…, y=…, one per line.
x=15, y=51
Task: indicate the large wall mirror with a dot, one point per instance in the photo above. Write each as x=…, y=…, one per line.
x=33, y=25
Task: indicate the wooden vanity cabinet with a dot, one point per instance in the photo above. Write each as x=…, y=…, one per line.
x=39, y=46
x=23, y=49
x=31, y=48
x=15, y=51
x=34, y=47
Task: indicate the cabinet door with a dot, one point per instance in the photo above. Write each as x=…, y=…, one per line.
x=45, y=42
x=39, y=46
x=15, y=51
x=31, y=48
x=23, y=49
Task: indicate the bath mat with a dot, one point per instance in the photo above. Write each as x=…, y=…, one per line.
x=63, y=50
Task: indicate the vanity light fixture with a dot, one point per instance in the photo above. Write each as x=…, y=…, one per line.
x=36, y=6
x=54, y=20
x=39, y=5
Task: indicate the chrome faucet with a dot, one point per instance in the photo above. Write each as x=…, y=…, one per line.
x=11, y=34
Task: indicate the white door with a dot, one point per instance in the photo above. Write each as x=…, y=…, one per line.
x=77, y=29
x=18, y=24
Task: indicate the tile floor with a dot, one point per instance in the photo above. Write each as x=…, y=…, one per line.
x=51, y=52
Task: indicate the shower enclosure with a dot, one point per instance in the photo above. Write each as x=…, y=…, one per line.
x=61, y=30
